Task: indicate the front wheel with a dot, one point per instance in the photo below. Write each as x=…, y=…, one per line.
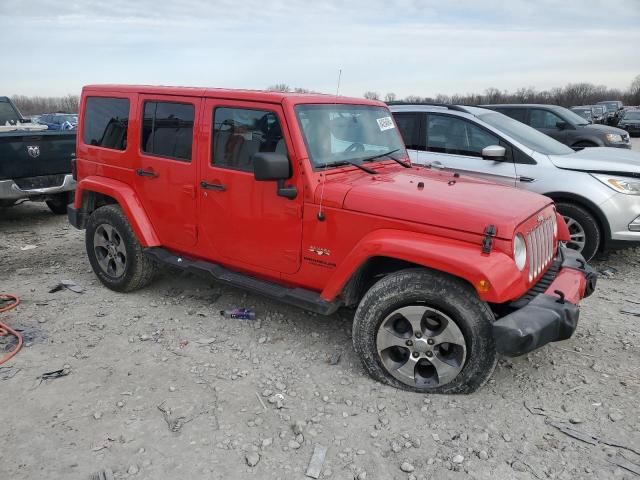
x=583, y=229
x=114, y=252
x=425, y=331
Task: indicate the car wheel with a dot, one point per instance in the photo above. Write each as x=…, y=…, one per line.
x=115, y=253
x=425, y=331
x=583, y=229
x=58, y=203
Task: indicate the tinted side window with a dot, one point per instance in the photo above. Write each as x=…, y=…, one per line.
x=167, y=130
x=519, y=114
x=105, y=122
x=239, y=133
x=543, y=119
x=409, y=126
x=446, y=134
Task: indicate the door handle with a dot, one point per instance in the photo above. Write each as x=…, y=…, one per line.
x=146, y=173
x=526, y=179
x=213, y=186
x=437, y=165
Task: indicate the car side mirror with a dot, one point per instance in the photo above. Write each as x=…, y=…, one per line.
x=269, y=166
x=494, y=152
x=561, y=125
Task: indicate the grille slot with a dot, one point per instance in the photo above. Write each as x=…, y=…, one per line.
x=540, y=246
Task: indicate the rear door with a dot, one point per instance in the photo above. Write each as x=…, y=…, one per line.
x=243, y=221
x=166, y=170
x=456, y=144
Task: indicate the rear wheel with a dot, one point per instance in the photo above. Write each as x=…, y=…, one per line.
x=583, y=229
x=58, y=203
x=114, y=252
x=425, y=331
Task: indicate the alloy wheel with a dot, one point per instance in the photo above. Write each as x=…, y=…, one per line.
x=421, y=346
x=110, y=250
x=576, y=233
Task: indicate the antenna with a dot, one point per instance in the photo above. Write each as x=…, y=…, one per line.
x=321, y=216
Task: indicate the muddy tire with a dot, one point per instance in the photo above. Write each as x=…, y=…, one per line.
x=116, y=256
x=583, y=227
x=58, y=203
x=425, y=331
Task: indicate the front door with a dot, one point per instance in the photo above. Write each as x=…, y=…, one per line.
x=243, y=221
x=547, y=122
x=454, y=143
x=166, y=170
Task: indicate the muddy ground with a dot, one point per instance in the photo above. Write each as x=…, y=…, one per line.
x=160, y=386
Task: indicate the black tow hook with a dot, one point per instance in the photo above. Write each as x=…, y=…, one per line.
x=560, y=293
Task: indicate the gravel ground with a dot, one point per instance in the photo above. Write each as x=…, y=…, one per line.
x=159, y=385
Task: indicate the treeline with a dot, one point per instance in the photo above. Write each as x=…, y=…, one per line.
x=37, y=105
x=567, y=96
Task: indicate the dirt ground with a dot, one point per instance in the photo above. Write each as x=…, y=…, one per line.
x=160, y=386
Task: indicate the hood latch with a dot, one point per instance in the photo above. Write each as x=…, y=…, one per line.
x=487, y=243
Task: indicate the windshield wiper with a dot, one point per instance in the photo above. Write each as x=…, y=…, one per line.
x=390, y=155
x=351, y=162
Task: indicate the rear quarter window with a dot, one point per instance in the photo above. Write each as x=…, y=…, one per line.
x=106, y=121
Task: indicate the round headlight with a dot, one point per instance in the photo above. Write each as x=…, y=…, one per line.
x=519, y=251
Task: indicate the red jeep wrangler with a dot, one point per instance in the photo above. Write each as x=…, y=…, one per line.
x=311, y=200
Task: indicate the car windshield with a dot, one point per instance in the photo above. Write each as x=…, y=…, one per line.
x=582, y=112
x=632, y=116
x=570, y=116
x=599, y=109
x=527, y=136
x=7, y=113
x=611, y=106
x=336, y=134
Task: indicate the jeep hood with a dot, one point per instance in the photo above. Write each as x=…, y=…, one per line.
x=600, y=159
x=462, y=204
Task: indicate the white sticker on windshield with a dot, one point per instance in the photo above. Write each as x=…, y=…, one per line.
x=385, y=123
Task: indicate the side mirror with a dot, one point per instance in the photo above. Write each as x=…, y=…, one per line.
x=270, y=166
x=494, y=152
x=274, y=166
x=561, y=125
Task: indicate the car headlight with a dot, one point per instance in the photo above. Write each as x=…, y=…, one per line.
x=627, y=185
x=613, y=138
x=519, y=251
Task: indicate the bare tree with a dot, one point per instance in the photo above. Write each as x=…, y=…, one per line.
x=372, y=95
x=279, y=87
x=390, y=97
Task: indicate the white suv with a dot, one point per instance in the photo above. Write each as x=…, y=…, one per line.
x=597, y=190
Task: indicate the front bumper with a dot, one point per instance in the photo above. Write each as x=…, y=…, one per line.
x=550, y=316
x=9, y=189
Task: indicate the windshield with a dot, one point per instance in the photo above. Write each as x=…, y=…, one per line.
x=582, y=112
x=527, y=136
x=336, y=134
x=599, y=110
x=632, y=116
x=570, y=116
x=611, y=106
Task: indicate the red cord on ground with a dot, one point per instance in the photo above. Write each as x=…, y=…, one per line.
x=7, y=330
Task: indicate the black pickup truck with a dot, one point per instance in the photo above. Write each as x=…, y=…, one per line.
x=35, y=163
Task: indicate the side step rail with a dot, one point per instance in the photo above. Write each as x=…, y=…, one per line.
x=298, y=297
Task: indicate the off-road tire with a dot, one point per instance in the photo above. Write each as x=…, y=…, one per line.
x=588, y=224
x=58, y=203
x=448, y=294
x=139, y=270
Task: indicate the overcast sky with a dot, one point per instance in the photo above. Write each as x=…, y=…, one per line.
x=421, y=47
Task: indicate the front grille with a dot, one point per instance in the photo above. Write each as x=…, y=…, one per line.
x=44, y=181
x=540, y=243
x=540, y=286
